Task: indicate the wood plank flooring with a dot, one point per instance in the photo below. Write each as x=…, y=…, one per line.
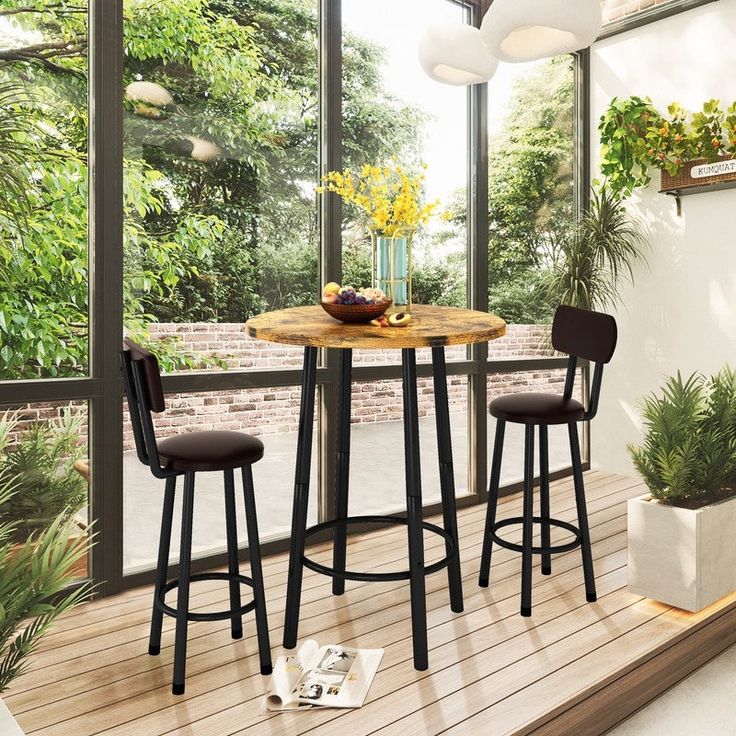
x=573, y=667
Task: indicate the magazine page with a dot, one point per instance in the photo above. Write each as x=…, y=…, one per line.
x=338, y=677
x=287, y=671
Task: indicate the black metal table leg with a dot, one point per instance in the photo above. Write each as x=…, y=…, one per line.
x=414, y=509
x=447, y=476
x=577, y=471
x=342, y=467
x=301, y=498
x=231, y=530
x=544, y=497
x=164, y=545
x=485, y=559
x=254, y=550
x=528, y=524
x=182, y=603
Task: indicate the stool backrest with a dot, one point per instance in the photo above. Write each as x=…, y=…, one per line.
x=589, y=335
x=145, y=394
x=584, y=334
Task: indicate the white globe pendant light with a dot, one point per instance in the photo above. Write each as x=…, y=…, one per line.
x=525, y=30
x=456, y=54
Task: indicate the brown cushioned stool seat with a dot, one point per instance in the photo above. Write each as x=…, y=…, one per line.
x=205, y=451
x=537, y=409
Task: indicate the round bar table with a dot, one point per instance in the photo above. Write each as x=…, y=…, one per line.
x=432, y=327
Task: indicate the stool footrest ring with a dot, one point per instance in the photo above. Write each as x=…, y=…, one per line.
x=552, y=549
x=377, y=576
x=200, y=577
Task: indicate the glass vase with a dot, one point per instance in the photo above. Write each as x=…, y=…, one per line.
x=392, y=268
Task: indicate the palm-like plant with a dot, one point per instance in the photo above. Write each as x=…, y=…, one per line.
x=41, y=467
x=688, y=456
x=32, y=582
x=593, y=261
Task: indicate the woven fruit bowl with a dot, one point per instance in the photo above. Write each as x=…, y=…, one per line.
x=356, y=313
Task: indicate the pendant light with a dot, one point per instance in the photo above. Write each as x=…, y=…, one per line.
x=525, y=30
x=456, y=54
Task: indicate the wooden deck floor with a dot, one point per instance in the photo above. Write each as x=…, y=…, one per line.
x=573, y=667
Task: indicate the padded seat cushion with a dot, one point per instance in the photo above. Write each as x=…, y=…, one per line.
x=537, y=409
x=203, y=451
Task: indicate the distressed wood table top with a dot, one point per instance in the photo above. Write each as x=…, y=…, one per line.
x=430, y=327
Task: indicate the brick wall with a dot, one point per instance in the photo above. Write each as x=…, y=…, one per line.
x=268, y=411
x=617, y=9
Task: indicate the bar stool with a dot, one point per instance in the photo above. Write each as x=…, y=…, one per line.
x=581, y=334
x=188, y=454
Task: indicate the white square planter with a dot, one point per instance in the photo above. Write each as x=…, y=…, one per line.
x=8, y=724
x=683, y=557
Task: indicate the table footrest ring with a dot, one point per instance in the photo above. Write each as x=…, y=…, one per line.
x=198, y=578
x=552, y=549
x=378, y=576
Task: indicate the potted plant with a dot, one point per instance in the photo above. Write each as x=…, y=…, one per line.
x=40, y=461
x=682, y=548
x=591, y=261
x=388, y=201
x=690, y=150
x=32, y=581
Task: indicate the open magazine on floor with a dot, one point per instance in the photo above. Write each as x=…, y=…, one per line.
x=331, y=676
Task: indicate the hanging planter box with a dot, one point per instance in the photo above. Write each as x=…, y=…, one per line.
x=699, y=174
x=682, y=557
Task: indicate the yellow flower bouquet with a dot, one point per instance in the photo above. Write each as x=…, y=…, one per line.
x=390, y=201
x=389, y=197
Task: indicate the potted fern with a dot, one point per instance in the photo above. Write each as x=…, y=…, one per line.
x=682, y=549
x=32, y=581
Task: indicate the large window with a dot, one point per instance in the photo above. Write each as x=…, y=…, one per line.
x=43, y=196
x=160, y=163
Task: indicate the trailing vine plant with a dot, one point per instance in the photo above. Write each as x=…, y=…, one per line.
x=636, y=138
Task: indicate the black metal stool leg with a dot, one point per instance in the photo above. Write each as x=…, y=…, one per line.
x=447, y=476
x=233, y=568
x=182, y=604
x=577, y=469
x=414, y=510
x=342, y=471
x=254, y=549
x=485, y=560
x=528, y=526
x=544, y=497
x=301, y=498
x=164, y=545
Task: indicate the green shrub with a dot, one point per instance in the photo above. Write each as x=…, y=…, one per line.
x=39, y=467
x=688, y=457
x=31, y=578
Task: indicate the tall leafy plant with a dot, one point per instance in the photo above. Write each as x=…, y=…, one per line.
x=591, y=263
x=40, y=467
x=688, y=455
x=31, y=578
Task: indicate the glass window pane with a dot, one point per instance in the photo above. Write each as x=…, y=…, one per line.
x=44, y=461
x=377, y=481
x=394, y=113
x=531, y=202
x=43, y=197
x=221, y=144
x=269, y=413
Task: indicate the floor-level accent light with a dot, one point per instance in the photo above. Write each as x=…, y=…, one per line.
x=456, y=54
x=525, y=30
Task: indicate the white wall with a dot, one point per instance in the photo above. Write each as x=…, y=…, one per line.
x=681, y=313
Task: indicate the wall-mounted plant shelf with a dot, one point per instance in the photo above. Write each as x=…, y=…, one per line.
x=699, y=176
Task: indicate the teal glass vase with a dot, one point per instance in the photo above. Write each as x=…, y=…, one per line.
x=392, y=268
